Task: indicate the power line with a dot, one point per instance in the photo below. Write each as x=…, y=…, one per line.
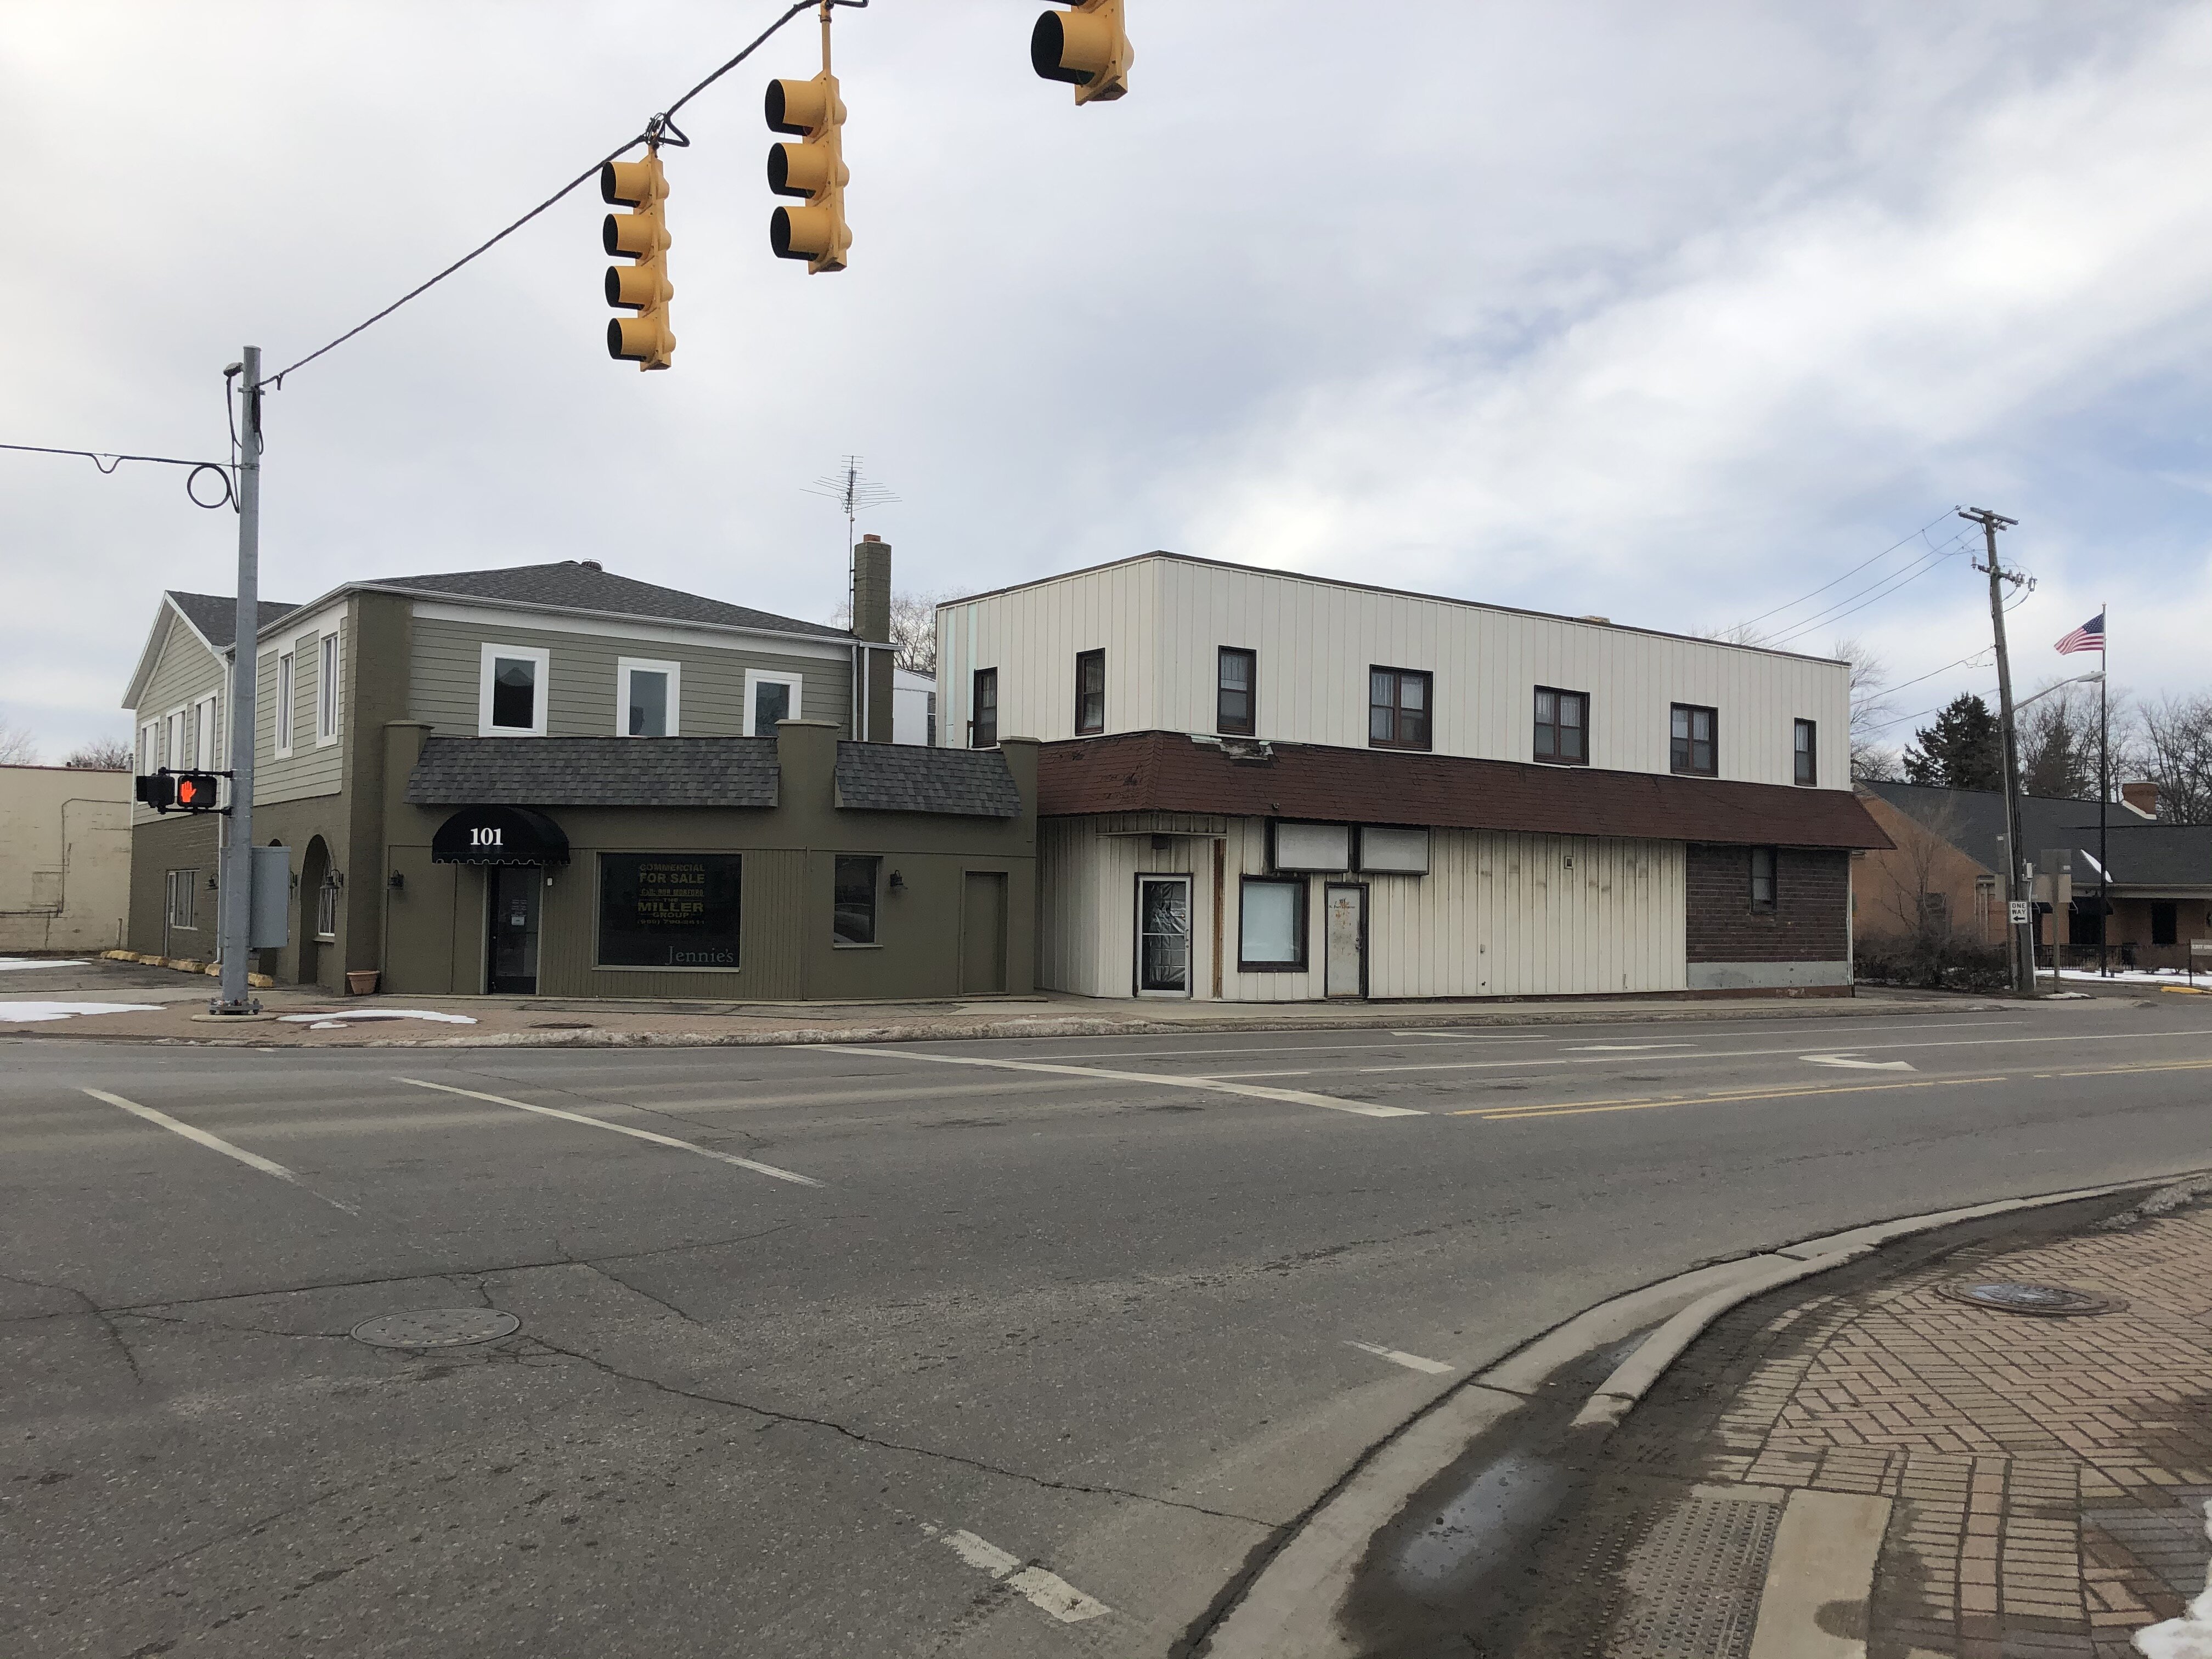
x=1880, y=589
x=659, y=130
x=1853, y=571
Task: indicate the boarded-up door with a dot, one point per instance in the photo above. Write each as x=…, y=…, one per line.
x=983, y=933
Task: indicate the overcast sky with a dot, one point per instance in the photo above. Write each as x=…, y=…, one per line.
x=1670, y=313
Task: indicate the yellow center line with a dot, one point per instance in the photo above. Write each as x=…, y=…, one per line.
x=1501, y=1114
x=2172, y=1066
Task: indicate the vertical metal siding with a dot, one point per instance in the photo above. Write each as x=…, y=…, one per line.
x=1160, y=622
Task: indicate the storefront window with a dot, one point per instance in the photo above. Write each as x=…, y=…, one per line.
x=854, y=905
x=669, y=910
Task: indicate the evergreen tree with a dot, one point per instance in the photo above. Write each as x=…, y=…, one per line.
x=1960, y=750
x=2058, y=750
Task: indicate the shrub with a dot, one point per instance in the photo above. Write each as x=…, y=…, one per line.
x=1934, y=961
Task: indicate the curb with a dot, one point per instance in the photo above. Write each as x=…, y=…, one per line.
x=1400, y=1019
x=1287, y=1608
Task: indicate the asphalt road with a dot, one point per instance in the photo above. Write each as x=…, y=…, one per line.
x=1046, y=1340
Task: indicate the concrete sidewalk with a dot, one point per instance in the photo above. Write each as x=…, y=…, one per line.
x=174, y=1009
x=1885, y=1470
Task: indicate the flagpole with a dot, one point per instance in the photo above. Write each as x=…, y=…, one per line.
x=2104, y=788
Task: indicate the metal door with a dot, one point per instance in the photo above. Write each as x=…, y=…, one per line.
x=983, y=932
x=511, y=892
x=1344, y=929
x=1163, y=936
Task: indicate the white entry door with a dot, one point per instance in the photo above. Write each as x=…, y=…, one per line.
x=1344, y=929
x=1163, y=936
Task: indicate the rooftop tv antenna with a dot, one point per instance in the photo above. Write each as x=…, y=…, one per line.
x=854, y=491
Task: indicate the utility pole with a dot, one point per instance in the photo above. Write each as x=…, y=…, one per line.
x=2103, y=787
x=2017, y=887
x=235, y=916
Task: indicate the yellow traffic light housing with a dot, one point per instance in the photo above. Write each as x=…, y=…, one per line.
x=1086, y=47
x=641, y=236
x=812, y=170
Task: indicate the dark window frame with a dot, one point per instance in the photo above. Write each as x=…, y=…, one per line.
x=1302, y=961
x=1223, y=724
x=2165, y=918
x=722, y=866
x=1772, y=902
x=1426, y=713
x=982, y=734
x=1685, y=761
x=838, y=940
x=1089, y=722
x=1555, y=726
x=1805, y=755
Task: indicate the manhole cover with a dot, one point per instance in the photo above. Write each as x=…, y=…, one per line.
x=2017, y=1296
x=439, y=1327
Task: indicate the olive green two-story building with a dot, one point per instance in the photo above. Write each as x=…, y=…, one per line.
x=555, y=780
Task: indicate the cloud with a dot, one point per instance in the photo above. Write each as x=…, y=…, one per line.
x=1670, y=314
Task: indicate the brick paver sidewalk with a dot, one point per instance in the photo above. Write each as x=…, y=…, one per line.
x=2048, y=1476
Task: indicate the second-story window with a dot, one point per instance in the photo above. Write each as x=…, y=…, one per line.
x=646, y=699
x=1089, y=691
x=1690, y=746
x=1235, y=697
x=1562, y=726
x=511, y=698
x=284, y=661
x=1807, y=763
x=983, y=710
x=1397, y=708
x=326, y=689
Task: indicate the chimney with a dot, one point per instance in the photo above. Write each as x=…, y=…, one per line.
x=871, y=588
x=2142, y=795
x=872, y=621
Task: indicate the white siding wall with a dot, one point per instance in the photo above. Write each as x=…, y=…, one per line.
x=1498, y=914
x=1031, y=636
x=1161, y=621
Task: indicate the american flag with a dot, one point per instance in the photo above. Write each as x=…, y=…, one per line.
x=2089, y=636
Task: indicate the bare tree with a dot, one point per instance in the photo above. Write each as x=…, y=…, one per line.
x=2058, y=747
x=17, y=746
x=1915, y=897
x=2173, y=743
x=102, y=755
x=1870, y=712
x=914, y=629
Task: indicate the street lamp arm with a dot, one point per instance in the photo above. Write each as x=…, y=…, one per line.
x=2079, y=679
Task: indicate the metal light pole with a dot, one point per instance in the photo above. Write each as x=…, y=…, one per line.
x=234, y=916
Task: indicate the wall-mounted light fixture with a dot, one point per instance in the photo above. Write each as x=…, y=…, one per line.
x=898, y=882
x=397, y=882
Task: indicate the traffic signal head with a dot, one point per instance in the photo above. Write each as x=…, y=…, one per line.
x=1086, y=47
x=158, y=791
x=640, y=235
x=812, y=170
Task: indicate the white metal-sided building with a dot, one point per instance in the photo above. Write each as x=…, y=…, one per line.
x=1258, y=786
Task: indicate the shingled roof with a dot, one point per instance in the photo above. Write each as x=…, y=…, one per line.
x=884, y=777
x=572, y=584
x=216, y=615
x=595, y=772
x=1166, y=771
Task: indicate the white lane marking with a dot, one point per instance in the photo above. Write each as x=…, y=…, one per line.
x=1444, y=1039
x=1047, y=1591
x=658, y=1140
x=1624, y=1048
x=1862, y=1065
x=217, y=1143
x=1412, y=1362
x=1158, y=1080
x=1753, y=1054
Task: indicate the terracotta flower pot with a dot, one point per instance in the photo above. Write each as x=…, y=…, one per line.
x=361, y=982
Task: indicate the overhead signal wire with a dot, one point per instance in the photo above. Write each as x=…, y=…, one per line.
x=659, y=130
x=107, y=460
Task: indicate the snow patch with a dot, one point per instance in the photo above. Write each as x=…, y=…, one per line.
x=2188, y=1637
x=330, y=1022
x=6, y=963
x=28, y=1013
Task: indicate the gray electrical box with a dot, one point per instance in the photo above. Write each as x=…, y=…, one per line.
x=270, y=927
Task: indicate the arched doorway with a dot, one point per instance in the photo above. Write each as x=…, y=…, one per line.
x=317, y=912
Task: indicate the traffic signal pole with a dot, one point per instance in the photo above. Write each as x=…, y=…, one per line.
x=235, y=914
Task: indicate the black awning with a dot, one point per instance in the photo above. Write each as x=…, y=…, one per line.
x=2089, y=907
x=499, y=834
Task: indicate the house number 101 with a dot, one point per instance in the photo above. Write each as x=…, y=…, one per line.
x=484, y=837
